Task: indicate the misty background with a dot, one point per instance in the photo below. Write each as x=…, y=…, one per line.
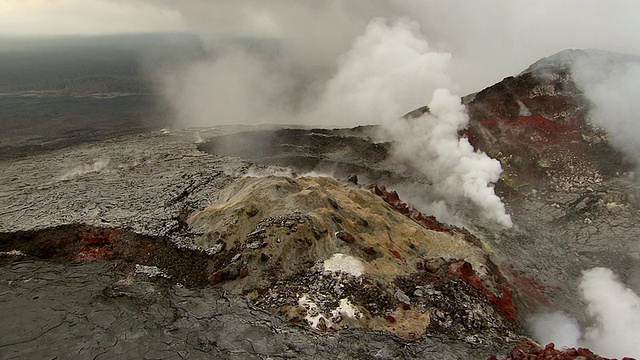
x=489, y=40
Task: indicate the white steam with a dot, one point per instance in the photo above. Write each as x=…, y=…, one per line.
x=392, y=68
x=556, y=328
x=388, y=71
x=614, y=311
x=236, y=87
x=430, y=144
x=95, y=166
x=610, y=83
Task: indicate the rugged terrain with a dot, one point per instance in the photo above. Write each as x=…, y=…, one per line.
x=572, y=195
x=193, y=243
x=128, y=201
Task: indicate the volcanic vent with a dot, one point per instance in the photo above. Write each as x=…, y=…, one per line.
x=340, y=152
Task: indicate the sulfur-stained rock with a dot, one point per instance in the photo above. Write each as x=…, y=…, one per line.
x=336, y=261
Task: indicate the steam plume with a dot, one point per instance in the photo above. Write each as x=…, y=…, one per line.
x=556, y=328
x=391, y=68
x=430, y=144
x=614, y=312
x=609, y=81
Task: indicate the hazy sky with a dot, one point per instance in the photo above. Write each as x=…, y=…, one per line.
x=84, y=17
x=488, y=39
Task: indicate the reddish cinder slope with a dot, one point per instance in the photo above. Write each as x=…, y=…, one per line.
x=536, y=124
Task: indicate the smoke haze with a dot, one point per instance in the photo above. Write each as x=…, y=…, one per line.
x=490, y=40
x=236, y=87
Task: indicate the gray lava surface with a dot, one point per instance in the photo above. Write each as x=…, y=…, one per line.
x=112, y=307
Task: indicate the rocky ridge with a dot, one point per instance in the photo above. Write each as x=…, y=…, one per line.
x=345, y=258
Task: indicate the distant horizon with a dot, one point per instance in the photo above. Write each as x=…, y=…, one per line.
x=487, y=40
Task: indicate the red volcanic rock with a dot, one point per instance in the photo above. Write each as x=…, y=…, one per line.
x=392, y=198
x=96, y=245
x=346, y=237
x=396, y=254
x=532, y=351
x=531, y=287
x=428, y=222
x=537, y=125
x=503, y=302
x=376, y=189
x=216, y=277
x=461, y=269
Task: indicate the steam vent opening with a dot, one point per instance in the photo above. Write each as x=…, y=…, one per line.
x=339, y=152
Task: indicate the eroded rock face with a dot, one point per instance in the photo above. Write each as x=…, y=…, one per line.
x=346, y=258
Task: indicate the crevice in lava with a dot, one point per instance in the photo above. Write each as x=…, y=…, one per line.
x=79, y=243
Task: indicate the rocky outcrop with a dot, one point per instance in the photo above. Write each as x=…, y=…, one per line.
x=571, y=193
x=537, y=125
x=533, y=351
x=345, y=258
